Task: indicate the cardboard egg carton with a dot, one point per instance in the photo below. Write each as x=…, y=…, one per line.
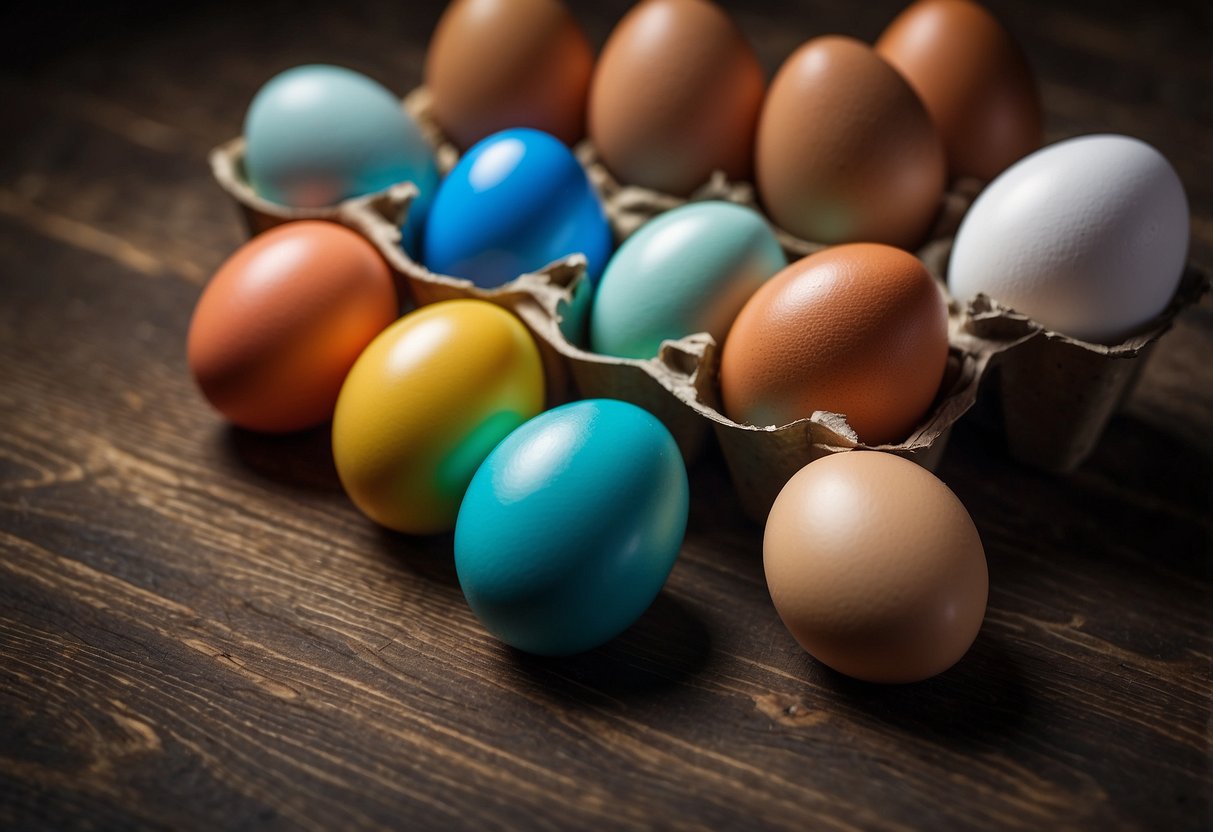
x=1056, y=393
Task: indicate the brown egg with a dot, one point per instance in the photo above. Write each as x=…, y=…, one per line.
x=675, y=96
x=860, y=330
x=496, y=64
x=846, y=152
x=973, y=79
x=283, y=320
x=875, y=567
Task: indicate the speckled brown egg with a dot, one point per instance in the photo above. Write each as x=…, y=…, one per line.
x=496, y=64
x=859, y=329
x=973, y=79
x=875, y=567
x=675, y=96
x=283, y=320
x=845, y=150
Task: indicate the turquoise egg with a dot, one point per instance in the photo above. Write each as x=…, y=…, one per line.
x=571, y=526
x=688, y=270
x=315, y=135
x=517, y=201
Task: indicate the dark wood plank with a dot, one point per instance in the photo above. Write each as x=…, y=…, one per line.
x=198, y=631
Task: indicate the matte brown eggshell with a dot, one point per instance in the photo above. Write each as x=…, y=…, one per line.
x=973, y=79
x=496, y=64
x=675, y=96
x=845, y=150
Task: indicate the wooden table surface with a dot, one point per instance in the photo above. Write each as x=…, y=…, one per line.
x=198, y=631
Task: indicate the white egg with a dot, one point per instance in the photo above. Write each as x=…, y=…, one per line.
x=1087, y=236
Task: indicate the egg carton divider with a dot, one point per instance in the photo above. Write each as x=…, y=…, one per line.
x=1057, y=393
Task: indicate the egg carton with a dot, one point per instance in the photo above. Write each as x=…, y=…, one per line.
x=1056, y=393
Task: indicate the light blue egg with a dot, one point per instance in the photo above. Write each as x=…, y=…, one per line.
x=517, y=201
x=315, y=135
x=688, y=270
x=571, y=526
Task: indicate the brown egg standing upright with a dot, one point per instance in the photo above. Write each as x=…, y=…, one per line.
x=845, y=150
x=675, y=96
x=496, y=64
x=859, y=329
x=973, y=79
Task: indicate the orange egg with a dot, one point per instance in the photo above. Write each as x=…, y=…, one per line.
x=675, y=96
x=860, y=330
x=496, y=64
x=845, y=151
x=283, y=320
x=973, y=79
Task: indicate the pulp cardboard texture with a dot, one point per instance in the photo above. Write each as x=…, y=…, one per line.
x=1057, y=393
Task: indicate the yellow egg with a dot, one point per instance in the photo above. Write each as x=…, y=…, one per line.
x=423, y=406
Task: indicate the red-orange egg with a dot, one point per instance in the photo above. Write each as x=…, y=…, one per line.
x=860, y=330
x=283, y=320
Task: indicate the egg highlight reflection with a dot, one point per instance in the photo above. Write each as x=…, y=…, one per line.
x=571, y=526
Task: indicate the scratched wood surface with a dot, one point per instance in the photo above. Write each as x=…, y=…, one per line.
x=197, y=631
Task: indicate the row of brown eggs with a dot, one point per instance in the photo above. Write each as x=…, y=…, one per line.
x=677, y=93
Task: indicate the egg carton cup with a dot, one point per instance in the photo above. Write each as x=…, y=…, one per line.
x=1053, y=393
x=259, y=214
x=680, y=385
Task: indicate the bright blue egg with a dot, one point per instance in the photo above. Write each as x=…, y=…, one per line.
x=571, y=526
x=515, y=202
x=315, y=135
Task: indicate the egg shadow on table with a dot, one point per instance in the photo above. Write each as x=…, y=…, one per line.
x=302, y=460
x=666, y=646
x=983, y=698
x=429, y=557
x=1171, y=499
x=1142, y=501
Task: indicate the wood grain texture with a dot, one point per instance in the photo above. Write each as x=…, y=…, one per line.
x=198, y=631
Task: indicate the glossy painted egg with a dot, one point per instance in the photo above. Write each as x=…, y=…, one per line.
x=846, y=152
x=571, y=526
x=516, y=202
x=315, y=135
x=424, y=405
x=1088, y=236
x=875, y=567
x=496, y=64
x=283, y=320
x=860, y=329
x=688, y=270
x=973, y=79
x=675, y=96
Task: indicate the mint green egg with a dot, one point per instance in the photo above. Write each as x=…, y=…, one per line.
x=688, y=270
x=315, y=135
